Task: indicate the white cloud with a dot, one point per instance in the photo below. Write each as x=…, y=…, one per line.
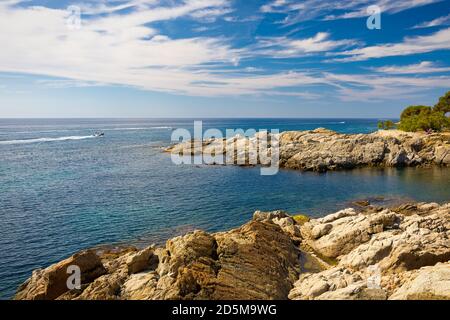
x=107, y=6
x=210, y=15
x=410, y=45
x=118, y=48
x=311, y=9
x=373, y=88
x=242, y=19
x=422, y=67
x=283, y=47
x=441, y=21
x=121, y=49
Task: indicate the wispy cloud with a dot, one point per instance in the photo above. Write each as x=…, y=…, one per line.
x=125, y=47
x=410, y=45
x=422, y=67
x=374, y=88
x=283, y=47
x=441, y=21
x=329, y=10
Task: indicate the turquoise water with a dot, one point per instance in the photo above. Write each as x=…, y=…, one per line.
x=62, y=190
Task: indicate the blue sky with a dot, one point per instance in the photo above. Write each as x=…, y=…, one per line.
x=221, y=58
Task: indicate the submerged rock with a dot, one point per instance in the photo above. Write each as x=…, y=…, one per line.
x=398, y=253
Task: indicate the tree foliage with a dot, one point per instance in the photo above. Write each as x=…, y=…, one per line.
x=414, y=111
x=424, y=118
x=444, y=104
x=386, y=125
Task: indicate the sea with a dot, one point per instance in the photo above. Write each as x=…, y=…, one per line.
x=62, y=189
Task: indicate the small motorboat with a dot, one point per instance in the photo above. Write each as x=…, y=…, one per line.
x=99, y=134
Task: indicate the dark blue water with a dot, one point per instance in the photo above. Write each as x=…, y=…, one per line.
x=62, y=190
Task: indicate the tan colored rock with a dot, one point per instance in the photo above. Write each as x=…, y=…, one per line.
x=257, y=262
x=140, y=286
x=50, y=283
x=321, y=230
x=313, y=285
x=140, y=261
x=106, y=287
x=429, y=283
x=349, y=232
x=401, y=253
x=369, y=253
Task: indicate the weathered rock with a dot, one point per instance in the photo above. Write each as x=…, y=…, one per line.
x=139, y=261
x=428, y=283
x=140, y=286
x=369, y=253
x=399, y=253
x=261, y=216
x=256, y=262
x=341, y=232
x=322, y=149
x=50, y=283
x=311, y=286
x=321, y=230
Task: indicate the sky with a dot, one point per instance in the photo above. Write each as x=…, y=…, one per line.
x=222, y=58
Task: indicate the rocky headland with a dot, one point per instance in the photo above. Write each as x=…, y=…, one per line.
x=322, y=149
x=367, y=252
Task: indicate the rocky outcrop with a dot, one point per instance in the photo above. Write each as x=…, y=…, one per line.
x=256, y=261
x=373, y=253
x=377, y=251
x=51, y=282
x=426, y=284
x=322, y=149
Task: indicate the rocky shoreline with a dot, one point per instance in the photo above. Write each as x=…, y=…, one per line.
x=322, y=149
x=364, y=253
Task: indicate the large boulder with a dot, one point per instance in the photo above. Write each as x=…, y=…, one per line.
x=256, y=261
x=340, y=233
x=50, y=283
x=427, y=283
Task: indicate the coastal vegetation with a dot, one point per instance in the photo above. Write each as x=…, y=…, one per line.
x=386, y=125
x=301, y=218
x=426, y=118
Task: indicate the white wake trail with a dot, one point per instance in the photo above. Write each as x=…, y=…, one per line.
x=37, y=140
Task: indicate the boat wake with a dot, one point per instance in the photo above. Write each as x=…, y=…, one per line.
x=136, y=129
x=37, y=140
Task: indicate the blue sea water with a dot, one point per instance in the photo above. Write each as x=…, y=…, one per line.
x=63, y=190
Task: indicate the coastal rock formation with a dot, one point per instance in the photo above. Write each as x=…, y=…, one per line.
x=51, y=282
x=426, y=284
x=372, y=253
x=322, y=149
x=255, y=261
x=376, y=251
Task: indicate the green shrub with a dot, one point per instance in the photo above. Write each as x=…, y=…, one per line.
x=444, y=104
x=418, y=118
x=386, y=125
x=414, y=111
